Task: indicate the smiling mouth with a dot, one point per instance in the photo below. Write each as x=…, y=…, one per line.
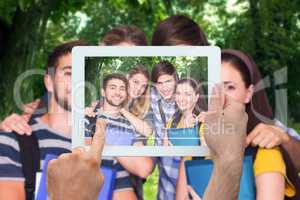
x=166, y=93
x=117, y=98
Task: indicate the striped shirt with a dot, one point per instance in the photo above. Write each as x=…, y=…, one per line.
x=49, y=141
x=119, y=131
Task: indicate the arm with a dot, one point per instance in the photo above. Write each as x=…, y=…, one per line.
x=17, y=123
x=270, y=136
x=89, y=111
x=140, y=125
x=269, y=171
x=225, y=179
x=292, y=145
x=292, y=148
x=225, y=135
x=270, y=186
x=139, y=166
x=13, y=190
x=267, y=136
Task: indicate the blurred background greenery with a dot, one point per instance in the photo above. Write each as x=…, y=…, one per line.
x=97, y=68
x=269, y=30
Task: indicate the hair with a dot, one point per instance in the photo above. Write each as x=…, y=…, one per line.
x=163, y=68
x=240, y=66
x=259, y=105
x=129, y=34
x=139, y=69
x=62, y=50
x=141, y=105
x=201, y=104
x=115, y=76
x=178, y=30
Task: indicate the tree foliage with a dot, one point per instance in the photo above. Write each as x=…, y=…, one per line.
x=268, y=30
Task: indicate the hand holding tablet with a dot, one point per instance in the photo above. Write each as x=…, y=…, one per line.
x=225, y=135
x=67, y=176
x=225, y=126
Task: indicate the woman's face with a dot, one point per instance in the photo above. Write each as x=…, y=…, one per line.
x=137, y=85
x=185, y=97
x=234, y=85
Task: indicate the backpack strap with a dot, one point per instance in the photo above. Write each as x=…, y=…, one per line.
x=30, y=159
x=93, y=120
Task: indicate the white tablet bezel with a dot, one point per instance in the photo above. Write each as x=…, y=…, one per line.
x=79, y=54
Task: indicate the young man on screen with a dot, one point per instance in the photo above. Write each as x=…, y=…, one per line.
x=122, y=124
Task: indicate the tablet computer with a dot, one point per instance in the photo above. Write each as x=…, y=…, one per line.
x=91, y=63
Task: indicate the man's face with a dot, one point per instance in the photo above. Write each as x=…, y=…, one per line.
x=165, y=86
x=62, y=82
x=115, y=92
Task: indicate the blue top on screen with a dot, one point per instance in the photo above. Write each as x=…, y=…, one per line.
x=184, y=136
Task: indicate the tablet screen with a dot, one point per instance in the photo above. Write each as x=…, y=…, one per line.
x=92, y=97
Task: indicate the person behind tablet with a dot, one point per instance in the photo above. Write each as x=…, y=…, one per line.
x=181, y=30
x=120, y=35
x=240, y=77
x=51, y=131
x=137, y=103
x=114, y=92
x=191, y=105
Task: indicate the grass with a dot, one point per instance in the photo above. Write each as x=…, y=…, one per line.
x=151, y=185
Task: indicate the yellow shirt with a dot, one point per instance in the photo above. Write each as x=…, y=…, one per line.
x=271, y=160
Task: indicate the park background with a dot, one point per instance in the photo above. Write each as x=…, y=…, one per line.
x=269, y=30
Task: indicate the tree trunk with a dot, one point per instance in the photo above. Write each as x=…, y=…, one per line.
x=256, y=25
x=24, y=40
